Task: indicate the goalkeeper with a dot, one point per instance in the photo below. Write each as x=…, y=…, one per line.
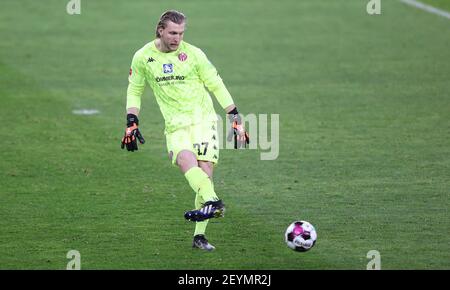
x=178, y=73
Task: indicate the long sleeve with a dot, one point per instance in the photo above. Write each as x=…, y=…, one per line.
x=136, y=83
x=213, y=81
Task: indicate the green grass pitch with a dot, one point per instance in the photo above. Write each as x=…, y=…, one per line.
x=364, y=108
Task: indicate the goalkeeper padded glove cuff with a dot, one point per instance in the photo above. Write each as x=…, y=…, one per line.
x=132, y=118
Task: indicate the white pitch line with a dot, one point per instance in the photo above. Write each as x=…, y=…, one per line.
x=427, y=8
x=85, y=112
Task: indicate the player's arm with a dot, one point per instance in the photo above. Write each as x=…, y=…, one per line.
x=136, y=86
x=214, y=83
x=212, y=80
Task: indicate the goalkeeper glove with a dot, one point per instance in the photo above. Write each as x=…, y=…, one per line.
x=241, y=137
x=132, y=133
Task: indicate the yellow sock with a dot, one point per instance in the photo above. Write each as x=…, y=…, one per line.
x=200, y=227
x=201, y=184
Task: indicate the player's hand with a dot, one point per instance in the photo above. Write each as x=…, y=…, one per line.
x=241, y=137
x=132, y=133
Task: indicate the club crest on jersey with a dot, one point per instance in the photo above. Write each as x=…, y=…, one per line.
x=182, y=56
x=168, y=68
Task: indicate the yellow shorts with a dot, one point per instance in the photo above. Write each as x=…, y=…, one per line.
x=201, y=139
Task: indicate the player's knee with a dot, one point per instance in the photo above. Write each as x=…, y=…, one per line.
x=186, y=158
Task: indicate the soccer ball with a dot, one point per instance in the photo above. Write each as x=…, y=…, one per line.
x=300, y=236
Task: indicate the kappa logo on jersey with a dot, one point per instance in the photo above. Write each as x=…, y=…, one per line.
x=168, y=68
x=150, y=59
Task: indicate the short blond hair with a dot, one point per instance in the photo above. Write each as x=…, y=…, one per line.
x=170, y=15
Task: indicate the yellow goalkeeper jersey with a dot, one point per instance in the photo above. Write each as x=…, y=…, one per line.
x=178, y=80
